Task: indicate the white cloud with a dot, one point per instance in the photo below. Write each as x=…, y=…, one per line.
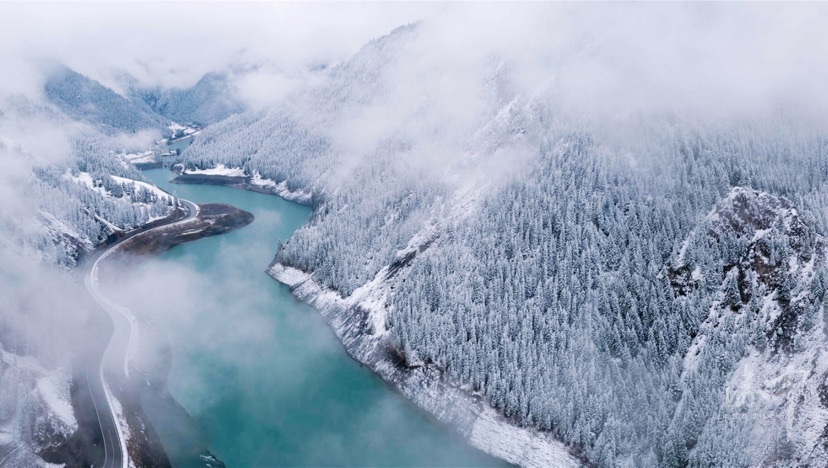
x=612, y=58
x=174, y=44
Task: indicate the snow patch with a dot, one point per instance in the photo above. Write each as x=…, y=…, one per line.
x=683, y=250
x=259, y=181
x=218, y=170
x=281, y=189
x=516, y=444
x=139, y=158
x=152, y=188
x=54, y=389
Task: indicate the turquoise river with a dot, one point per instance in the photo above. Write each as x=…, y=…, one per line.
x=263, y=376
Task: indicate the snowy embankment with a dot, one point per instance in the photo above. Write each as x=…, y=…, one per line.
x=359, y=323
x=236, y=177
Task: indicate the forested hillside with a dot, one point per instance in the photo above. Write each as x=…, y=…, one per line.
x=83, y=190
x=64, y=191
x=86, y=100
x=610, y=284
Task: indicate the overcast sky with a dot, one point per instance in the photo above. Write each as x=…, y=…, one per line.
x=174, y=44
x=685, y=54
x=597, y=60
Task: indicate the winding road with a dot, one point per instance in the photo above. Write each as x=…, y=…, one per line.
x=115, y=355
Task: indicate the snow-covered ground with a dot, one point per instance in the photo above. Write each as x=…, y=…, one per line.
x=781, y=393
x=152, y=188
x=219, y=170
x=35, y=401
x=255, y=182
x=177, y=128
x=281, y=189
x=121, y=424
x=86, y=179
x=54, y=390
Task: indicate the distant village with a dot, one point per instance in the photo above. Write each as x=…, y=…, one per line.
x=166, y=150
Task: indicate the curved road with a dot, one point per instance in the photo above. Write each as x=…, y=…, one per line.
x=118, y=349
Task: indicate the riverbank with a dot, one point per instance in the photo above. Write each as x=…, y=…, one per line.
x=213, y=219
x=244, y=182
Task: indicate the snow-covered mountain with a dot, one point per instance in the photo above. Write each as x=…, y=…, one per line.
x=211, y=99
x=567, y=270
x=759, y=272
x=564, y=262
x=84, y=99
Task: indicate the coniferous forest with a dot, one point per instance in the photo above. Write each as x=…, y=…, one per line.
x=615, y=240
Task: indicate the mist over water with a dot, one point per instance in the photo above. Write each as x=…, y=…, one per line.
x=263, y=376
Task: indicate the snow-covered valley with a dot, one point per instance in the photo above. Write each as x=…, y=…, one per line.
x=572, y=234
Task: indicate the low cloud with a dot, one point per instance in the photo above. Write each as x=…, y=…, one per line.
x=265, y=88
x=135, y=142
x=174, y=44
x=604, y=62
x=613, y=59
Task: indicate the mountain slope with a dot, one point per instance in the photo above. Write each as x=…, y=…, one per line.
x=84, y=99
x=759, y=271
x=534, y=257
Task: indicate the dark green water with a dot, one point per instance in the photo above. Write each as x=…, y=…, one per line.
x=264, y=377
